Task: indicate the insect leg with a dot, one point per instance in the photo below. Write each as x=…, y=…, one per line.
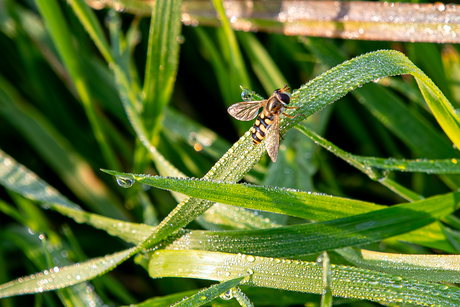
x=291, y=117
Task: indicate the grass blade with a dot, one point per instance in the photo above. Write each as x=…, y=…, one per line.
x=61, y=36
x=162, y=62
x=295, y=275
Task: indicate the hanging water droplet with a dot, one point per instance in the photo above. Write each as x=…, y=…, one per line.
x=125, y=182
x=377, y=174
x=246, y=94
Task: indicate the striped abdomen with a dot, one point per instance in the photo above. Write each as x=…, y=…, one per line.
x=260, y=127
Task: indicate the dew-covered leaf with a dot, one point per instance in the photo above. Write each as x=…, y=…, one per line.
x=209, y=294
x=434, y=268
x=61, y=277
x=19, y=179
x=298, y=240
x=365, y=164
x=308, y=205
x=295, y=275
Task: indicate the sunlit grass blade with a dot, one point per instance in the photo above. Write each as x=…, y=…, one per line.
x=61, y=36
x=57, y=278
x=409, y=126
x=295, y=275
x=35, y=246
x=162, y=62
x=433, y=268
x=92, y=25
x=209, y=294
x=377, y=65
x=238, y=66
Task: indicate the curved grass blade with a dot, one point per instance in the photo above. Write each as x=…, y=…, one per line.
x=433, y=268
x=58, y=278
x=414, y=130
x=377, y=168
x=295, y=275
x=377, y=65
x=209, y=294
x=366, y=164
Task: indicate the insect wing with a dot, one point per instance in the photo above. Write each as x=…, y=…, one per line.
x=272, y=143
x=245, y=110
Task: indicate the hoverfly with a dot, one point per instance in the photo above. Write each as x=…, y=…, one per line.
x=267, y=124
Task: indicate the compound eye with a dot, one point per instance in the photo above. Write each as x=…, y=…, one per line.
x=284, y=97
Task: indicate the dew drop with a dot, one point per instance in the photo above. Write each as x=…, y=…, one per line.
x=246, y=95
x=180, y=39
x=227, y=295
x=250, y=258
x=125, y=182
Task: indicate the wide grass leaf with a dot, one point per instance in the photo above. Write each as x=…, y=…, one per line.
x=295, y=275
x=434, y=268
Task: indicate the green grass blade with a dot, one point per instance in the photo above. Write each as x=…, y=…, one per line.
x=311, y=98
x=19, y=179
x=263, y=65
x=294, y=241
x=365, y=164
x=93, y=27
x=192, y=133
x=57, y=278
x=433, y=268
x=307, y=205
x=162, y=62
x=295, y=275
x=62, y=38
x=57, y=152
x=236, y=61
x=209, y=294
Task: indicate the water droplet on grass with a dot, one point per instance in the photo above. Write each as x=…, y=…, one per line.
x=125, y=182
